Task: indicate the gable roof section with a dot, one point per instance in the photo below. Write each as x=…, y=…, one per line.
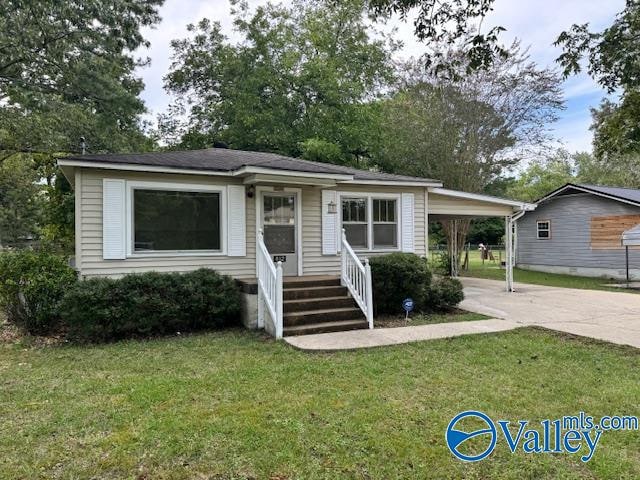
x=620, y=194
x=234, y=162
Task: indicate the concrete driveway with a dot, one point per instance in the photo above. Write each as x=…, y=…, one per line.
x=610, y=316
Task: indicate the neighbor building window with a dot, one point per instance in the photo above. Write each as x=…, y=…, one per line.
x=354, y=221
x=165, y=220
x=544, y=229
x=385, y=223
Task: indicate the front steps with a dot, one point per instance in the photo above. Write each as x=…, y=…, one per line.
x=319, y=305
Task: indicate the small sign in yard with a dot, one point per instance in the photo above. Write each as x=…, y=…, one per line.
x=407, y=305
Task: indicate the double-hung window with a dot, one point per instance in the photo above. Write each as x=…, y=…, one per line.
x=370, y=222
x=355, y=221
x=385, y=223
x=176, y=220
x=543, y=229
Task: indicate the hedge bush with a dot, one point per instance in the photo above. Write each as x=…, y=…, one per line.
x=397, y=276
x=32, y=284
x=401, y=275
x=142, y=305
x=444, y=293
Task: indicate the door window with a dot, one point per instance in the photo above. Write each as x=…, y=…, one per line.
x=279, y=223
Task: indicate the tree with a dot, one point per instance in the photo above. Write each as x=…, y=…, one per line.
x=20, y=200
x=543, y=176
x=612, y=60
x=450, y=22
x=468, y=132
x=299, y=82
x=66, y=71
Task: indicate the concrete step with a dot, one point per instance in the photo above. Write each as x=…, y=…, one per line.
x=305, y=304
x=325, y=327
x=322, y=315
x=311, y=281
x=324, y=291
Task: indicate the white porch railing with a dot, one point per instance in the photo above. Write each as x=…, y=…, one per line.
x=269, y=287
x=356, y=276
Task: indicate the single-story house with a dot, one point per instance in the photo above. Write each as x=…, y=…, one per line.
x=296, y=234
x=577, y=229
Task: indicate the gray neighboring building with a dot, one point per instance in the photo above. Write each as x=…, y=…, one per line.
x=577, y=229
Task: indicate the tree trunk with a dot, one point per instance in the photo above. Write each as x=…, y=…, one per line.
x=456, y=233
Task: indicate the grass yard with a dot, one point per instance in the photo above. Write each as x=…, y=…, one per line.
x=234, y=405
x=492, y=270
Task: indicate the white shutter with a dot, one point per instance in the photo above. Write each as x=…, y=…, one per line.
x=113, y=219
x=236, y=219
x=408, y=222
x=329, y=223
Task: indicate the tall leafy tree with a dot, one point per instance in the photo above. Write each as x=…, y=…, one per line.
x=612, y=60
x=66, y=71
x=468, y=132
x=299, y=82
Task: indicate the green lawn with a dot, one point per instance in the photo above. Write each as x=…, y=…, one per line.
x=492, y=270
x=235, y=405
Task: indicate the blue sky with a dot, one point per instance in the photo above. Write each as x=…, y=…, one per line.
x=535, y=22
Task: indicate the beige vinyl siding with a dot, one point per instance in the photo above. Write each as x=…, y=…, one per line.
x=444, y=205
x=314, y=263
x=90, y=248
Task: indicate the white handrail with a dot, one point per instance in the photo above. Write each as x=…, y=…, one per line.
x=357, y=278
x=269, y=287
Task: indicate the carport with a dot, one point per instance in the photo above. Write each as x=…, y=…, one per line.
x=444, y=204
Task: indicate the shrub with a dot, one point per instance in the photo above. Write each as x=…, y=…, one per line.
x=32, y=284
x=141, y=305
x=397, y=276
x=445, y=293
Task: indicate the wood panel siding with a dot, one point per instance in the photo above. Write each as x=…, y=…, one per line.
x=570, y=244
x=606, y=232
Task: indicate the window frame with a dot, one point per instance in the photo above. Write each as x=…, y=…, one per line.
x=367, y=217
x=379, y=222
x=548, y=229
x=370, y=196
x=175, y=187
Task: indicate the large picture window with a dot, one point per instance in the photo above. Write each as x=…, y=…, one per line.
x=354, y=221
x=385, y=223
x=165, y=220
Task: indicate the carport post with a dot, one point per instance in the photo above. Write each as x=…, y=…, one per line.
x=508, y=240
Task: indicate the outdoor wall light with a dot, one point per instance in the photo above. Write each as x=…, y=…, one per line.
x=332, y=208
x=251, y=191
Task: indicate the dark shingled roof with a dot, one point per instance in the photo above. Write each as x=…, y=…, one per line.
x=631, y=194
x=616, y=193
x=227, y=160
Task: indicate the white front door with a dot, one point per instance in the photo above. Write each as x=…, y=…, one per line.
x=280, y=227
